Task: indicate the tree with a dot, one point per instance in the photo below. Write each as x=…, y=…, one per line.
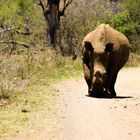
x=52, y=14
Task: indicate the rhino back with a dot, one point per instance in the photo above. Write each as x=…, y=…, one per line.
x=117, y=38
x=105, y=34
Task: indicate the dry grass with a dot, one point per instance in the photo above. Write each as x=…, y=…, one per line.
x=18, y=71
x=22, y=78
x=134, y=60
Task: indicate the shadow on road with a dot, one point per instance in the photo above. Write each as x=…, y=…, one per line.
x=109, y=97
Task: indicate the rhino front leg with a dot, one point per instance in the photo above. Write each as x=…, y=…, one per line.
x=111, y=87
x=88, y=81
x=87, y=77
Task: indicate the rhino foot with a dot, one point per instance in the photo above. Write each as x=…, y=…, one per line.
x=112, y=93
x=102, y=94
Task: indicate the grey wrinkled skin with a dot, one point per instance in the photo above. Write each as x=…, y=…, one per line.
x=105, y=51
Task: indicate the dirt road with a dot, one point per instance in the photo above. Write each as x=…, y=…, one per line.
x=87, y=118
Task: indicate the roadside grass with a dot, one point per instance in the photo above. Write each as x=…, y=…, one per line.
x=134, y=60
x=26, y=86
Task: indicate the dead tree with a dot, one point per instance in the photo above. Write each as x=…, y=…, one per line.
x=52, y=14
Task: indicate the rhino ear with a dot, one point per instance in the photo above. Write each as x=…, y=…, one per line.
x=109, y=47
x=88, y=46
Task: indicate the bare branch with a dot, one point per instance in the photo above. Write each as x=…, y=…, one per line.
x=23, y=33
x=65, y=5
x=20, y=32
x=40, y=3
x=6, y=29
x=17, y=43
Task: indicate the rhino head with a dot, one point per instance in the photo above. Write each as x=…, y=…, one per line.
x=95, y=64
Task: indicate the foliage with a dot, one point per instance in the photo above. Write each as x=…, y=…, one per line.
x=123, y=23
x=22, y=24
x=125, y=19
x=23, y=16
x=14, y=11
x=15, y=21
x=131, y=20
x=78, y=22
x=133, y=8
x=22, y=77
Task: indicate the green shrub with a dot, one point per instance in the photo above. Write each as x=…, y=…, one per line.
x=123, y=23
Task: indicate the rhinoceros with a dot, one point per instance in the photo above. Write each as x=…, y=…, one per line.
x=105, y=51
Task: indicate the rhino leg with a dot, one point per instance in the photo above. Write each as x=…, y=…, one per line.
x=121, y=63
x=88, y=81
x=112, y=91
x=87, y=77
x=109, y=88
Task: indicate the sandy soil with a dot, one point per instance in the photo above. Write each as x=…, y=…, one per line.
x=80, y=117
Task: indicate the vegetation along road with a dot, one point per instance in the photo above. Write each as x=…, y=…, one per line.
x=80, y=117
x=40, y=47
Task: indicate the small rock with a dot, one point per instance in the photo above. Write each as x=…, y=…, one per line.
x=17, y=131
x=24, y=110
x=125, y=106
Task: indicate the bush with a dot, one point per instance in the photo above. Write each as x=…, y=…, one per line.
x=123, y=23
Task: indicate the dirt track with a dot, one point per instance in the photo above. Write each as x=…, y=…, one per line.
x=86, y=118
